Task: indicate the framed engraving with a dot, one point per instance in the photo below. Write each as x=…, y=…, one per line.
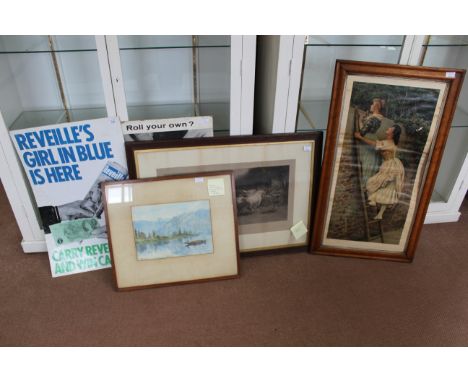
x=275, y=179
x=386, y=132
x=172, y=230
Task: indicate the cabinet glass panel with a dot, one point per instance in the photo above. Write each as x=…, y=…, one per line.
x=451, y=52
x=454, y=156
x=320, y=55
x=177, y=76
x=49, y=79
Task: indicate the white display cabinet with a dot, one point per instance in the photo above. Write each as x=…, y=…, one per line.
x=181, y=76
x=295, y=84
x=45, y=80
x=452, y=181
x=58, y=79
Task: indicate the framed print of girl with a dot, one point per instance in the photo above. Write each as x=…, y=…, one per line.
x=386, y=131
x=385, y=187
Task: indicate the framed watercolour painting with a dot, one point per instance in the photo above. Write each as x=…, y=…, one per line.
x=275, y=176
x=172, y=230
x=386, y=132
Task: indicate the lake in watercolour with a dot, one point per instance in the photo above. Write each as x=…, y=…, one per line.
x=172, y=230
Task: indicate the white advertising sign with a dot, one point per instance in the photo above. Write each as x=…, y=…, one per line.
x=154, y=129
x=65, y=165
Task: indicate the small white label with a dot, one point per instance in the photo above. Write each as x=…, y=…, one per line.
x=199, y=180
x=216, y=187
x=307, y=148
x=298, y=230
x=450, y=74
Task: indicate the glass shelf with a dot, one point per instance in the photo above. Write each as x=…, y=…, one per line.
x=220, y=111
x=313, y=115
x=40, y=44
x=444, y=41
x=176, y=47
x=357, y=40
x=172, y=42
x=67, y=44
x=37, y=118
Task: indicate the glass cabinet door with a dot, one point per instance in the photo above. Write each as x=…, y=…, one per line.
x=49, y=79
x=320, y=55
x=176, y=76
x=450, y=52
x=44, y=80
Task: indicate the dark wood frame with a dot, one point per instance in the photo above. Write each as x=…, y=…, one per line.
x=163, y=178
x=316, y=136
x=342, y=70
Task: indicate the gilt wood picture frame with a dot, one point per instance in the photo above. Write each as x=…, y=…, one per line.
x=387, y=128
x=276, y=180
x=172, y=230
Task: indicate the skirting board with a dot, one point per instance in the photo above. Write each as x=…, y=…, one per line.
x=442, y=217
x=34, y=246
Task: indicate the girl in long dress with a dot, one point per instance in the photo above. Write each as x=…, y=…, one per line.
x=385, y=187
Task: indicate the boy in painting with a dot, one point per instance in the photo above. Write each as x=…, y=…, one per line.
x=385, y=187
x=367, y=124
x=370, y=122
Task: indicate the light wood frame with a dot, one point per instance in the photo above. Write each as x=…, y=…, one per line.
x=453, y=78
x=205, y=264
